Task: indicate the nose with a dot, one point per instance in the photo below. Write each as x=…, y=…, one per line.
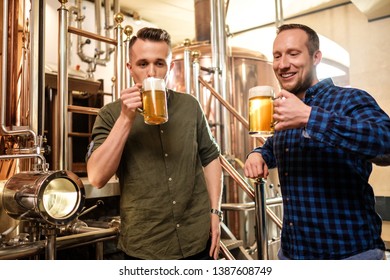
x=151, y=71
x=283, y=62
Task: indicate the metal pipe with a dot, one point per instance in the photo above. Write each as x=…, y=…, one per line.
x=278, y=13
x=22, y=251
x=195, y=75
x=187, y=66
x=99, y=250
x=62, y=85
x=63, y=242
x=231, y=109
x=238, y=206
x=19, y=156
x=215, y=65
x=3, y=128
x=237, y=177
x=261, y=228
x=116, y=7
x=50, y=249
x=225, y=251
x=83, y=110
x=276, y=201
x=128, y=30
x=225, y=117
x=91, y=35
x=108, y=26
x=98, y=24
x=119, y=63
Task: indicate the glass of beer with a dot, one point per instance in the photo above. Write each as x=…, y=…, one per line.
x=261, y=111
x=154, y=99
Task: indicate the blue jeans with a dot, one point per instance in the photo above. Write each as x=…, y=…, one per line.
x=374, y=254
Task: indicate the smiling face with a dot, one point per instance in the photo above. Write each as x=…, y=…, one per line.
x=294, y=66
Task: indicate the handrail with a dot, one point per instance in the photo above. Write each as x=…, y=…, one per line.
x=91, y=35
x=237, y=177
x=225, y=251
x=247, y=188
x=230, y=108
x=83, y=110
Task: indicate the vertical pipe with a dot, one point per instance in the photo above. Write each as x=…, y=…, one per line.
x=196, y=72
x=215, y=65
x=119, y=64
x=278, y=13
x=117, y=8
x=187, y=66
x=224, y=77
x=261, y=228
x=98, y=24
x=50, y=248
x=62, y=84
x=108, y=25
x=99, y=250
x=128, y=30
x=37, y=66
x=3, y=128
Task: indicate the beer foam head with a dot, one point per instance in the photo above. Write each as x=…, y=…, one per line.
x=261, y=91
x=152, y=83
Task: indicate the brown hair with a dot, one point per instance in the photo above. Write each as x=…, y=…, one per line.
x=152, y=34
x=313, y=42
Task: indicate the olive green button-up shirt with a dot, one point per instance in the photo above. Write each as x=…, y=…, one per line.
x=165, y=210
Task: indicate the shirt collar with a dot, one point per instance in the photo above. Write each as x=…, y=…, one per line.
x=318, y=88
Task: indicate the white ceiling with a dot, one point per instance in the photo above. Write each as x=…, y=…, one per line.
x=248, y=20
x=178, y=16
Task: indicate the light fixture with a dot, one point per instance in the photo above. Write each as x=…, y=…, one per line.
x=55, y=197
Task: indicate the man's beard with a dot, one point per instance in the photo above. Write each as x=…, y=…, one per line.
x=299, y=87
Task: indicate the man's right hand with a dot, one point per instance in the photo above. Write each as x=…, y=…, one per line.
x=131, y=100
x=255, y=166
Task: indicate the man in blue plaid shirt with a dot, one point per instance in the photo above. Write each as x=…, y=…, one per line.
x=324, y=138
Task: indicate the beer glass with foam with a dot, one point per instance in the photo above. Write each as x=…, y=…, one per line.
x=261, y=111
x=154, y=99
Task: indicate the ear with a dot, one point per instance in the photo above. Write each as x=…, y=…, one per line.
x=317, y=57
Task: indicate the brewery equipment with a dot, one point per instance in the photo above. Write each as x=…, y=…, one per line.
x=43, y=211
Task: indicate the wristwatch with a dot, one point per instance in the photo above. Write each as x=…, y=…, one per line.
x=217, y=212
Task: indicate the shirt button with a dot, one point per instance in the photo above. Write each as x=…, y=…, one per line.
x=162, y=131
x=286, y=150
x=170, y=179
x=285, y=173
x=177, y=225
x=173, y=202
x=166, y=155
x=291, y=224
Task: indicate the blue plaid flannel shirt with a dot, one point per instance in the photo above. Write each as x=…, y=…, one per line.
x=328, y=204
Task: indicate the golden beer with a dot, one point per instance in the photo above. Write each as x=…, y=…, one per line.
x=154, y=99
x=155, y=107
x=261, y=111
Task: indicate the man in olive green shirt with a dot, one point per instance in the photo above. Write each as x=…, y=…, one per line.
x=170, y=174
